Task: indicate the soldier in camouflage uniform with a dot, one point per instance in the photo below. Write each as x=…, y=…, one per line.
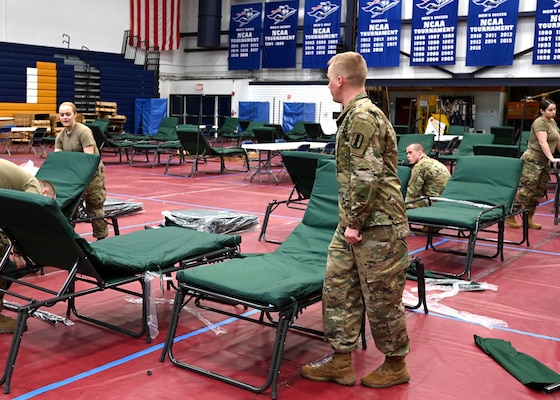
x=16, y=178
x=368, y=255
x=78, y=137
x=544, y=140
x=428, y=177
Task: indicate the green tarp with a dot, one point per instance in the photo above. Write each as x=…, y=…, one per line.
x=523, y=367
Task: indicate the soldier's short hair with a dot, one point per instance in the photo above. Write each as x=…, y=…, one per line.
x=351, y=66
x=417, y=147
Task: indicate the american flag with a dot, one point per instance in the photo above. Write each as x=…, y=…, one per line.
x=156, y=21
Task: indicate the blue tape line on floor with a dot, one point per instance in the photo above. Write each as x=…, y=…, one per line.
x=123, y=360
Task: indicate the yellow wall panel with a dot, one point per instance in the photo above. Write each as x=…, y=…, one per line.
x=49, y=87
x=9, y=109
x=46, y=65
x=46, y=99
x=46, y=79
x=46, y=72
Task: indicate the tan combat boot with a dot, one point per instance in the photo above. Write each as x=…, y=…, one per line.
x=7, y=324
x=338, y=370
x=532, y=224
x=392, y=372
x=512, y=223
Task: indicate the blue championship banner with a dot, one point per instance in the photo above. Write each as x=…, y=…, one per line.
x=491, y=32
x=546, y=49
x=434, y=32
x=245, y=28
x=321, y=32
x=379, y=32
x=280, y=29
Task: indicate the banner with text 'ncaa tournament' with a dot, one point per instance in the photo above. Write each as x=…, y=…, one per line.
x=491, y=32
x=546, y=48
x=434, y=32
x=321, y=32
x=245, y=28
x=379, y=32
x=280, y=29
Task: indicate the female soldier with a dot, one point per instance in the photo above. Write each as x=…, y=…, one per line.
x=543, y=142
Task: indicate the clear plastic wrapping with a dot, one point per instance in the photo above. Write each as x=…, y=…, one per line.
x=150, y=288
x=462, y=286
x=121, y=207
x=439, y=289
x=41, y=314
x=213, y=221
x=30, y=167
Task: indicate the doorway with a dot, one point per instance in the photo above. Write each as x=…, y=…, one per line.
x=200, y=109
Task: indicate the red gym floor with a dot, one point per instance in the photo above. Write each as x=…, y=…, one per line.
x=82, y=361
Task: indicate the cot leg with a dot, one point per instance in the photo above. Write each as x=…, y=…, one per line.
x=271, y=206
x=146, y=299
x=14, y=349
x=281, y=333
x=174, y=321
x=115, y=224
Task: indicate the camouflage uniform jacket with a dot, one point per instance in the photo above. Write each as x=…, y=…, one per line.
x=366, y=167
x=428, y=178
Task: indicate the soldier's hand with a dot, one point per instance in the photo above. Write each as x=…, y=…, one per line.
x=352, y=236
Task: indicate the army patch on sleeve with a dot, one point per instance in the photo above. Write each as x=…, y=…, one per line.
x=360, y=137
x=357, y=140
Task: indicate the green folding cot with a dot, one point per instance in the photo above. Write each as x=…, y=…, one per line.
x=196, y=145
x=404, y=173
x=280, y=284
x=478, y=196
x=41, y=233
x=71, y=173
x=556, y=201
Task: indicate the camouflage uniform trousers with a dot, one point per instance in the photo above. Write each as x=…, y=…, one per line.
x=94, y=196
x=533, y=182
x=373, y=272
